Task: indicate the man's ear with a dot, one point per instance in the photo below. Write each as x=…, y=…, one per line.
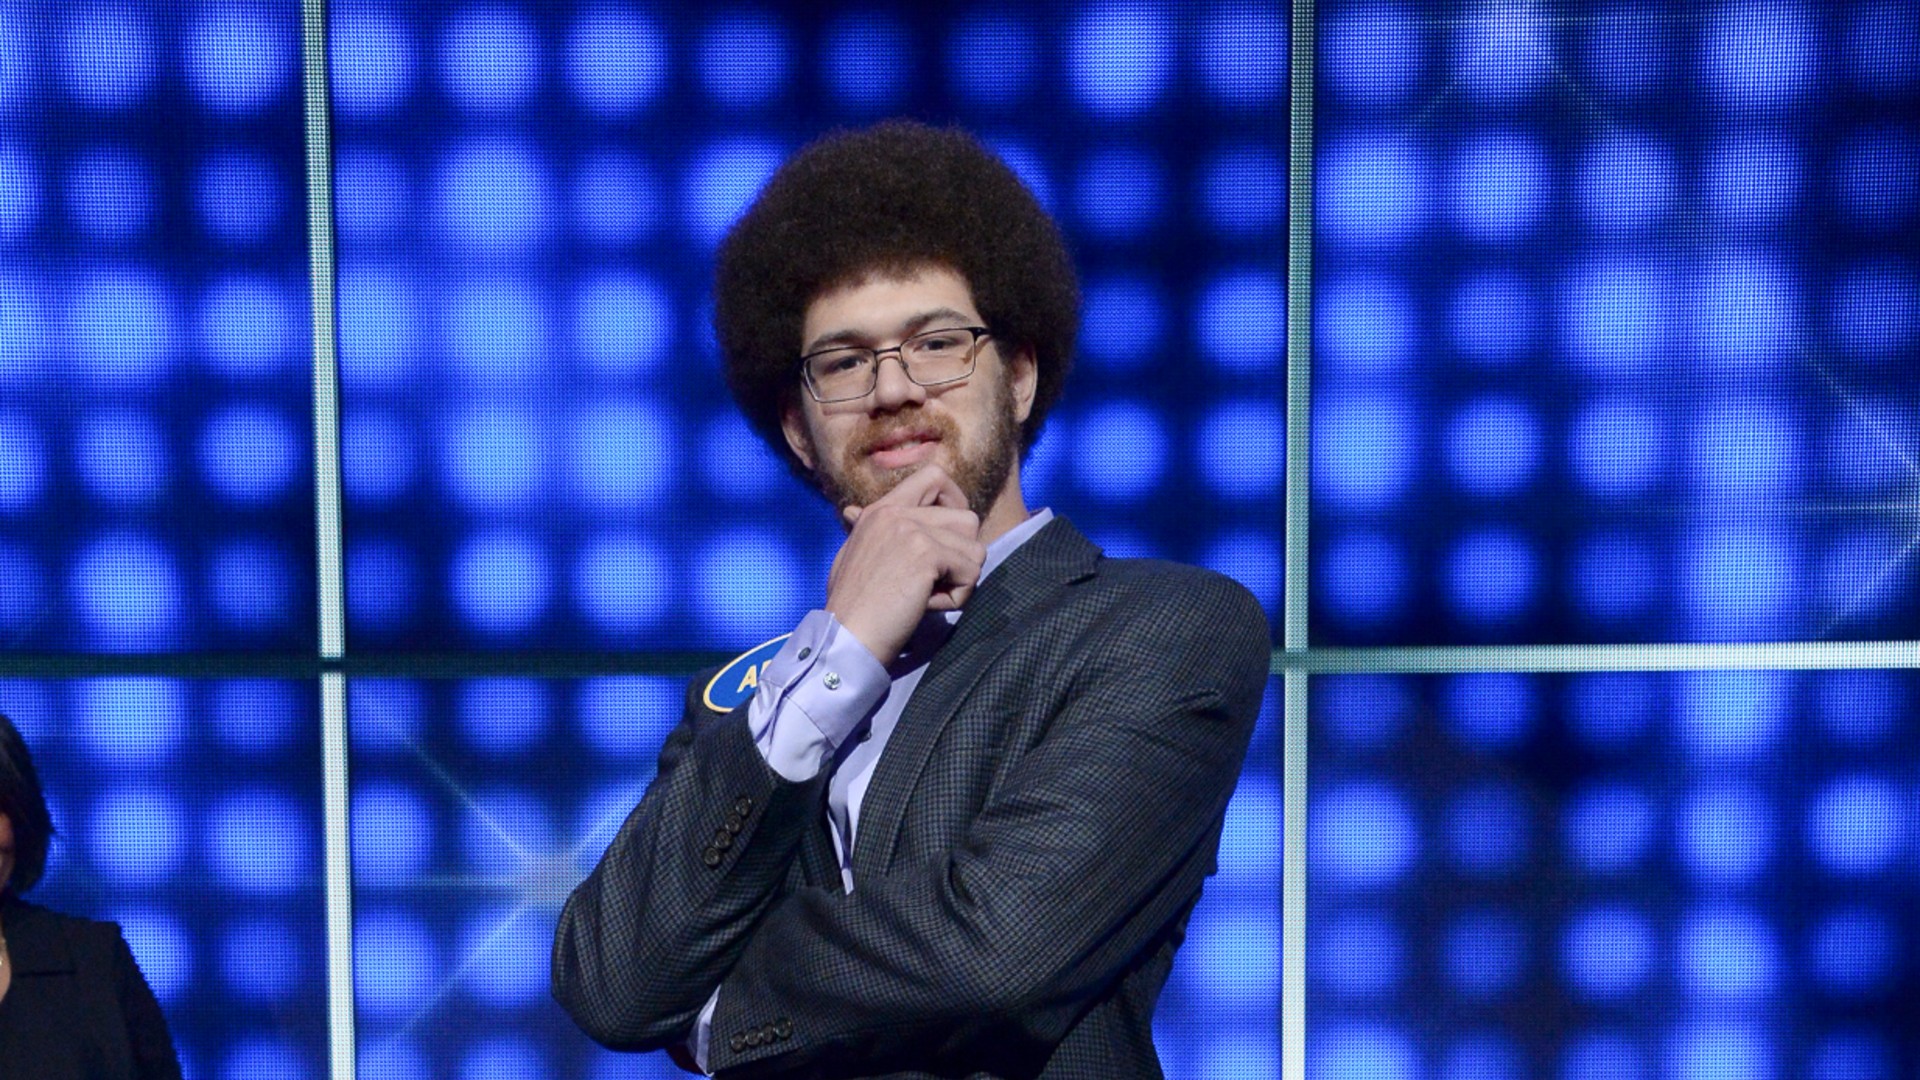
x=794, y=427
x=1023, y=378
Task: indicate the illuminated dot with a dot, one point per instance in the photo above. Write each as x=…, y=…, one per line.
x=1244, y=191
x=238, y=59
x=1365, y=324
x=1242, y=449
x=379, y=331
x=1732, y=714
x=250, y=327
x=381, y=585
x=1501, y=183
x=722, y=181
x=1243, y=54
x=734, y=463
x=252, y=585
x=23, y=463
x=615, y=198
x=1876, y=173
x=266, y=1057
x=501, y=581
x=1881, y=51
x=503, y=716
x=1725, y=835
x=106, y=56
x=1357, y=953
x=127, y=593
x=1856, y=825
x=992, y=58
x=1490, y=710
x=864, y=59
x=135, y=836
x=1607, y=952
x=1120, y=451
x=387, y=714
x=17, y=65
x=1753, y=180
x=161, y=948
x=1372, y=55
x=262, y=961
x=1120, y=191
x=1252, y=559
x=1761, y=54
x=1850, y=1055
x=259, y=843
x=373, y=195
x=1609, y=827
x=1236, y=954
x=1744, y=450
x=1124, y=324
x=1743, y=310
x=1487, y=830
x=1606, y=1055
x=393, y=835
x=511, y=954
x=498, y=1057
x=239, y=198
x=489, y=58
x=1492, y=575
x=1029, y=167
x=616, y=60
x=1741, y=582
x=1372, y=190
x=495, y=457
x=623, y=583
x=1119, y=56
x=395, y=1057
x=750, y=580
x=258, y=715
x=1242, y=321
x=1854, y=951
x=395, y=964
x=1727, y=953
x=1482, y=1057
x=1618, y=447
x=1376, y=1051
x=493, y=196
x=121, y=455
x=1363, y=446
x=628, y=716
x=1626, y=184
x=1858, y=708
x=1615, y=314
x=20, y=196
x=110, y=194
x=1503, y=51
x=1493, y=447
x=1616, y=577
x=1860, y=450
x=379, y=459
x=1876, y=309
x=372, y=55
x=623, y=323
x=130, y=722
x=1361, y=835
x=1485, y=953
x=1492, y=318
x=743, y=60
x=1250, y=840
x=620, y=455
x=505, y=830
x=23, y=601
x=1720, y=1050
x=251, y=454
x=1363, y=576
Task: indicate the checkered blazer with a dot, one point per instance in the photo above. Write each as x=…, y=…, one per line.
x=1030, y=846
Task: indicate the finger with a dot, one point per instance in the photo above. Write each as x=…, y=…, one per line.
x=851, y=514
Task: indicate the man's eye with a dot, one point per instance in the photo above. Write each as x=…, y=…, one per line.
x=839, y=363
x=940, y=343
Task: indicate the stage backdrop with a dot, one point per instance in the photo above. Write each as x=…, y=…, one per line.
x=1606, y=336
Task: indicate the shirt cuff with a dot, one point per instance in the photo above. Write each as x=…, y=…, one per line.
x=702, y=1035
x=813, y=696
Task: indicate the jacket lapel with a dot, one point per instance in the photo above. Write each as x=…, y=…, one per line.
x=1027, y=581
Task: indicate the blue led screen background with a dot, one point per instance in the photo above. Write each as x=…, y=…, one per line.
x=1613, y=316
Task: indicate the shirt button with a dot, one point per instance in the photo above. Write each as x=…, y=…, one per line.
x=832, y=679
x=803, y=654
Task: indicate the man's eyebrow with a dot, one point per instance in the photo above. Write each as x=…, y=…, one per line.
x=907, y=328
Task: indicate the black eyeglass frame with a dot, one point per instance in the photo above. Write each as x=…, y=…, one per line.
x=980, y=333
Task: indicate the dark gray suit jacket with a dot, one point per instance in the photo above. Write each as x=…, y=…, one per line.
x=1030, y=846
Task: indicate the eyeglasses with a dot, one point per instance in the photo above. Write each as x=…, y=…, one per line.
x=929, y=358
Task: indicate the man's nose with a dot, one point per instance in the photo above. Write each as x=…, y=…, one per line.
x=891, y=387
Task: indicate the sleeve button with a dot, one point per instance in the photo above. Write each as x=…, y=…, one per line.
x=743, y=805
x=711, y=857
x=722, y=839
x=738, y=1042
x=734, y=824
x=784, y=1028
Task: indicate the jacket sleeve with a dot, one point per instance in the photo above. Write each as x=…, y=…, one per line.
x=147, y=1035
x=1092, y=848
x=644, y=940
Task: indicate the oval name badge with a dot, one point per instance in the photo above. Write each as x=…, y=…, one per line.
x=735, y=683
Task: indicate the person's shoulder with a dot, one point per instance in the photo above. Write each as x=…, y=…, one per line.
x=1175, y=581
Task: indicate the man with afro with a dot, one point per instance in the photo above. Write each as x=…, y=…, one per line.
x=954, y=824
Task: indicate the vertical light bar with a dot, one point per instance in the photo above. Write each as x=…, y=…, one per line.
x=1294, y=640
x=331, y=577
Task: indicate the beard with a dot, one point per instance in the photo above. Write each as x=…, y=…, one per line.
x=980, y=471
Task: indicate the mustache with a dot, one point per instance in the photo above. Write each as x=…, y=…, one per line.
x=881, y=431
